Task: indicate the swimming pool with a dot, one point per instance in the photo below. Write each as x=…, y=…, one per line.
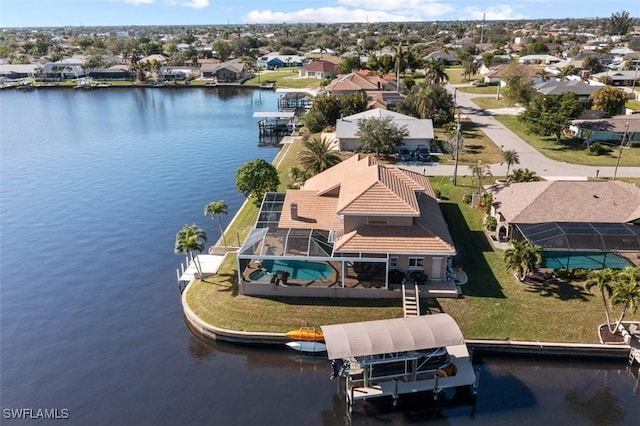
x=297, y=269
x=583, y=260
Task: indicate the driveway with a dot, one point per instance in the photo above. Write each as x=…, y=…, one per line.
x=530, y=158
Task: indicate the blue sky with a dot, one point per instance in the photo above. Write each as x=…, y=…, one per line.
x=32, y=13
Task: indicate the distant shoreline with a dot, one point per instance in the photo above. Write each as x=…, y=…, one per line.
x=108, y=85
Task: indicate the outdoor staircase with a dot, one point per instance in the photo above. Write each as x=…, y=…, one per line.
x=410, y=301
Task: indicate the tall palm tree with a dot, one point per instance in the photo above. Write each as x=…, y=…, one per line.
x=510, y=157
x=217, y=209
x=297, y=176
x=318, y=155
x=544, y=74
x=627, y=292
x=191, y=240
x=523, y=257
x=603, y=280
x=479, y=171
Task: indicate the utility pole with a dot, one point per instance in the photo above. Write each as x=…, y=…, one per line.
x=455, y=167
x=615, y=171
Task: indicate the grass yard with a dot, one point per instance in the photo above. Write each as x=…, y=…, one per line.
x=287, y=78
x=495, y=305
x=477, y=147
x=570, y=151
x=454, y=76
x=633, y=104
x=486, y=90
x=490, y=103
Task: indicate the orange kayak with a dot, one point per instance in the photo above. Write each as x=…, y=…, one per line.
x=306, y=334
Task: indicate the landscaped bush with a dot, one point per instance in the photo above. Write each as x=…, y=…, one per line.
x=572, y=274
x=598, y=149
x=466, y=198
x=491, y=223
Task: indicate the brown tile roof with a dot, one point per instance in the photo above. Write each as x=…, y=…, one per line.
x=429, y=234
x=323, y=66
x=367, y=188
x=354, y=82
x=566, y=201
x=313, y=211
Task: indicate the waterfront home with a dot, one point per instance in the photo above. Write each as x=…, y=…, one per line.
x=274, y=61
x=319, y=69
x=358, y=229
x=420, y=130
x=230, y=71
x=579, y=218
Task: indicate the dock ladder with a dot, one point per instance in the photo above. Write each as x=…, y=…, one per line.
x=410, y=301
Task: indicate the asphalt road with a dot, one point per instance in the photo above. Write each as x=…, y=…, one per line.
x=530, y=158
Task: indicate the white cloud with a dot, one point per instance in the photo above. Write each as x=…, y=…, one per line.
x=136, y=1
x=385, y=11
x=498, y=12
x=195, y=4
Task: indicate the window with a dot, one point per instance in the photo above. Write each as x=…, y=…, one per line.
x=393, y=263
x=416, y=263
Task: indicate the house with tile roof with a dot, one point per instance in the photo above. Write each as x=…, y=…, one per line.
x=319, y=69
x=420, y=130
x=229, y=71
x=556, y=87
x=609, y=129
x=579, y=216
x=374, y=225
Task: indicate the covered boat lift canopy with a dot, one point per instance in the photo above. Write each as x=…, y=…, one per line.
x=391, y=336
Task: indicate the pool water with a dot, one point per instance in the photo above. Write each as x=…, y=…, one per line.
x=583, y=260
x=297, y=269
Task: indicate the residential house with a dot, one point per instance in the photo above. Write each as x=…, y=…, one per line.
x=230, y=71
x=617, y=78
x=420, y=130
x=556, y=87
x=591, y=216
x=358, y=81
x=611, y=130
x=539, y=59
x=274, y=61
x=363, y=227
x=495, y=74
x=449, y=57
x=17, y=71
x=319, y=69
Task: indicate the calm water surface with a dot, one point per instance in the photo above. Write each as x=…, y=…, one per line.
x=93, y=187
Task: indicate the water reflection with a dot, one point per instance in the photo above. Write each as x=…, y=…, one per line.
x=596, y=402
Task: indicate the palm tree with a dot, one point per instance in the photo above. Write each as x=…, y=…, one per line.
x=603, y=280
x=217, y=209
x=524, y=257
x=523, y=175
x=478, y=171
x=510, y=157
x=297, y=176
x=191, y=240
x=543, y=74
x=627, y=292
x=434, y=72
x=318, y=155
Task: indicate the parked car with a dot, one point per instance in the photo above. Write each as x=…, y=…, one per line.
x=405, y=155
x=422, y=153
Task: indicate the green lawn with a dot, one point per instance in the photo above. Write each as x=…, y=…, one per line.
x=490, y=103
x=495, y=305
x=634, y=105
x=287, y=78
x=570, y=151
x=477, y=147
x=486, y=90
x=454, y=76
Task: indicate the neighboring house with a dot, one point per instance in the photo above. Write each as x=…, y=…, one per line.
x=420, y=130
x=357, y=81
x=539, y=59
x=18, y=71
x=179, y=73
x=610, y=129
x=229, y=71
x=495, y=74
x=65, y=68
x=156, y=57
x=275, y=61
x=556, y=87
x=571, y=216
x=116, y=72
x=617, y=78
x=367, y=221
x=449, y=57
x=385, y=100
x=319, y=69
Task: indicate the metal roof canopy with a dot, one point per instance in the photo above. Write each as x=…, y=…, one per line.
x=392, y=335
x=274, y=114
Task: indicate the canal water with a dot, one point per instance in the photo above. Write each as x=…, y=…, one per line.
x=93, y=187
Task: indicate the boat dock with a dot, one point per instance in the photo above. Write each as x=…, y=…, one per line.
x=276, y=123
x=400, y=356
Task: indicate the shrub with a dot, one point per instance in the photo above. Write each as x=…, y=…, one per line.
x=491, y=223
x=466, y=198
x=598, y=149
